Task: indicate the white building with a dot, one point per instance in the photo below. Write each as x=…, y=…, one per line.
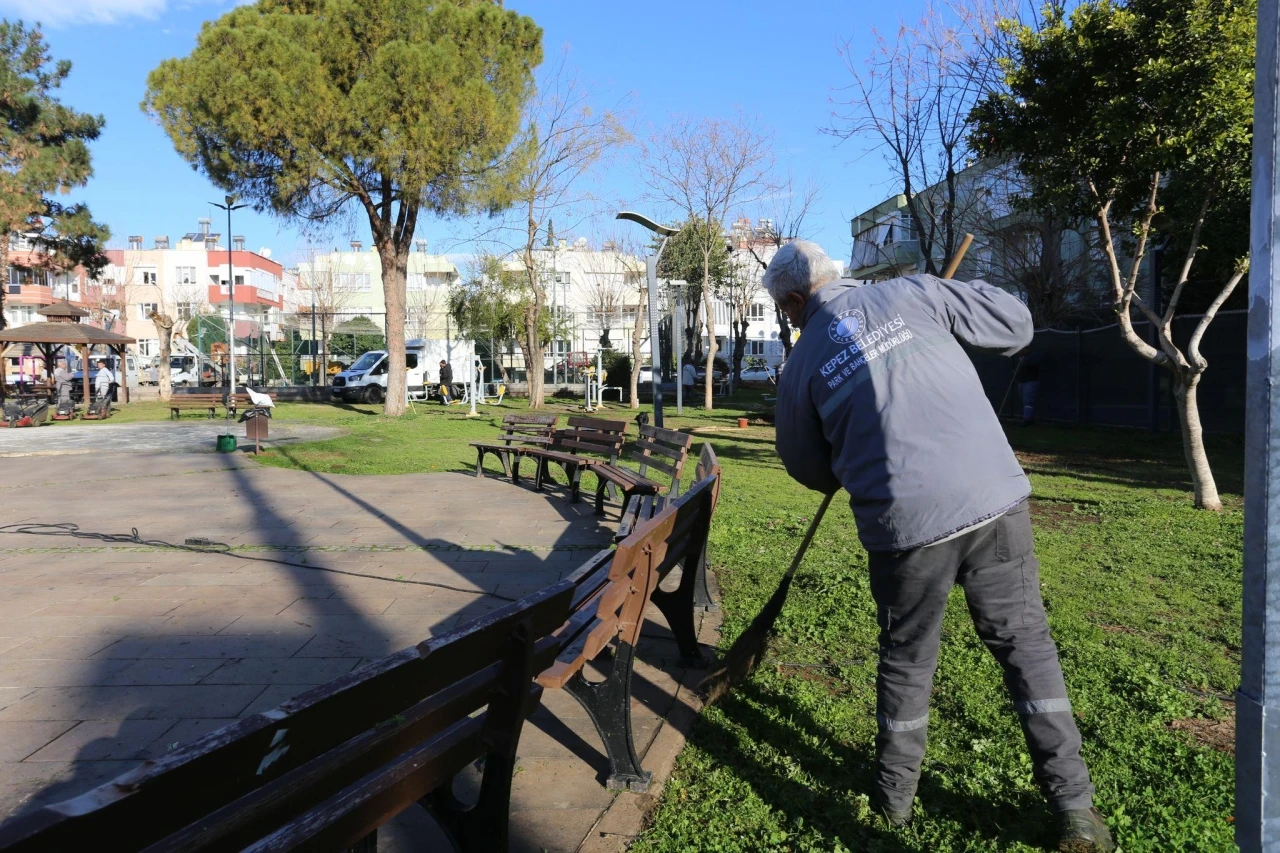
x=184, y=280
x=348, y=284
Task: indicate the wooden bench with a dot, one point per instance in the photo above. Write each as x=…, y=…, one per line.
x=201, y=400
x=609, y=601
x=519, y=431
x=324, y=770
x=601, y=438
x=641, y=508
x=663, y=449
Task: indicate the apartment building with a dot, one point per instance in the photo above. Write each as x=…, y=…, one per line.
x=344, y=285
x=192, y=276
x=1056, y=267
x=30, y=283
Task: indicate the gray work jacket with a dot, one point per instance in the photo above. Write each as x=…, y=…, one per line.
x=878, y=397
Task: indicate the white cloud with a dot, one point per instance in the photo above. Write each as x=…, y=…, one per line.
x=70, y=12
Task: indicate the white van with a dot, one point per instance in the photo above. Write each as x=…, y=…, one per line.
x=366, y=379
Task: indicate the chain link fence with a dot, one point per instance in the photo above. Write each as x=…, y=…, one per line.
x=1091, y=376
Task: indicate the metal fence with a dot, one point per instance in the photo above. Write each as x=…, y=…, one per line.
x=1092, y=377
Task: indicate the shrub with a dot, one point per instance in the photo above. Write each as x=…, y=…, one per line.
x=617, y=366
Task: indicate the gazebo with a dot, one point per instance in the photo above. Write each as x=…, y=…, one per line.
x=65, y=329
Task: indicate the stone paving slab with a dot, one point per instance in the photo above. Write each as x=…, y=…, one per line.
x=190, y=436
x=114, y=652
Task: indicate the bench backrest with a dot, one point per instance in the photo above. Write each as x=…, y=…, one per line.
x=592, y=435
x=532, y=430
x=328, y=767
x=663, y=449
x=709, y=466
x=612, y=588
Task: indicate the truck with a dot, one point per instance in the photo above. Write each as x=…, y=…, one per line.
x=366, y=379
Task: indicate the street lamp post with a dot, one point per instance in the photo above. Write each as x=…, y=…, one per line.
x=1257, y=824
x=651, y=269
x=231, y=286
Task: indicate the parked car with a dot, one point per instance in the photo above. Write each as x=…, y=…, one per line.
x=762, y=373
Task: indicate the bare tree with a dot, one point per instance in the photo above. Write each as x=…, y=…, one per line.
x=564, y=140
x=708, y=168
x=786, y=210
x=328, y=295
x=911, y=100
x=746, y=286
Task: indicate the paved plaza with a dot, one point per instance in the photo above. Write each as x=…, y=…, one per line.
x=191, y=436
x=111, y=653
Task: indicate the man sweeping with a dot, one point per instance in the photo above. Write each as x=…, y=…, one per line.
x=879, y=399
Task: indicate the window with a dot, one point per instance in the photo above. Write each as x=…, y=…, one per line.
x=148, y=277
x=186, y=310
x=20, y=315
x=755, y=348
x=357, y=281
x=411, y=360
x=756, y=312
x=146, y=309
x=148, y=347
x=239, y=281
x=186, y=275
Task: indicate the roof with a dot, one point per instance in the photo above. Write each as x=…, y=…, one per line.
x=62, y=308
x=76, y=334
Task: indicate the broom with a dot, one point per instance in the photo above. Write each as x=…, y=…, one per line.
x=747, y=651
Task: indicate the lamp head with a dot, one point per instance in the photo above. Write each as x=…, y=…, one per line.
x=641, y=219
x=231, y=199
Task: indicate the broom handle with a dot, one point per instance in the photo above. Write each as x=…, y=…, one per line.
x=955, y=262
x=808, y=536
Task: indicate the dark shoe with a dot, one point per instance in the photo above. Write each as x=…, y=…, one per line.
x=1084, y=831
x=896, y=818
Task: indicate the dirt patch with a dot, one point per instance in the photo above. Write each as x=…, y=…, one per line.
x=1055, y=515
x=1215, y=734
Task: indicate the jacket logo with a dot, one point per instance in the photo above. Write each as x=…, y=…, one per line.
x=846, y=326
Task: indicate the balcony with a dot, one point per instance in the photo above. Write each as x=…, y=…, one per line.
x=884, y=261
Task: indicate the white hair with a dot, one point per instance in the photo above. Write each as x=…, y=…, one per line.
x=799, y=267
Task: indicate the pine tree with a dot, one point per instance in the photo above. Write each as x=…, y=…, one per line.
x=44, y=153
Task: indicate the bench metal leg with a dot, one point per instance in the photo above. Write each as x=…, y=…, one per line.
x=505, y=458
x=701, y=592
x=677, y=608
x=484, y=826
x=608, y=704
x=575, y=482
x=479, y=463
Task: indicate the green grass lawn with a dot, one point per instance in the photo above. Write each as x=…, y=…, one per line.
x=1143, y=594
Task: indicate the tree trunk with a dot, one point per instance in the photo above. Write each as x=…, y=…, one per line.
x=533, y=361
x=739, y=329
x=637, y=334
x=164, y=326
x=4, y=285
x=395, y=268
x=784, y=332
x=1206, y=490
x=709, y=308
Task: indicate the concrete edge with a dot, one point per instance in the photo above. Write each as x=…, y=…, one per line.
x=628, y=814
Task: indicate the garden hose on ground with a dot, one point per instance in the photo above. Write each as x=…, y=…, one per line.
x=207, y=546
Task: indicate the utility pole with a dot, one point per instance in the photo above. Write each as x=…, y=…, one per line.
x=1258, y=700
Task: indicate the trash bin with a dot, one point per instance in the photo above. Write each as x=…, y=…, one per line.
x=255, y=427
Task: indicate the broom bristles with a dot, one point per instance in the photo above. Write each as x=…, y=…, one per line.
x=747, y=651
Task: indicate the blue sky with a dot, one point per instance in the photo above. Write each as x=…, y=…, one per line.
x=775, y=61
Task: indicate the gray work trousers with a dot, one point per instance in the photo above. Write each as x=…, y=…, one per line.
x=998, y=570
